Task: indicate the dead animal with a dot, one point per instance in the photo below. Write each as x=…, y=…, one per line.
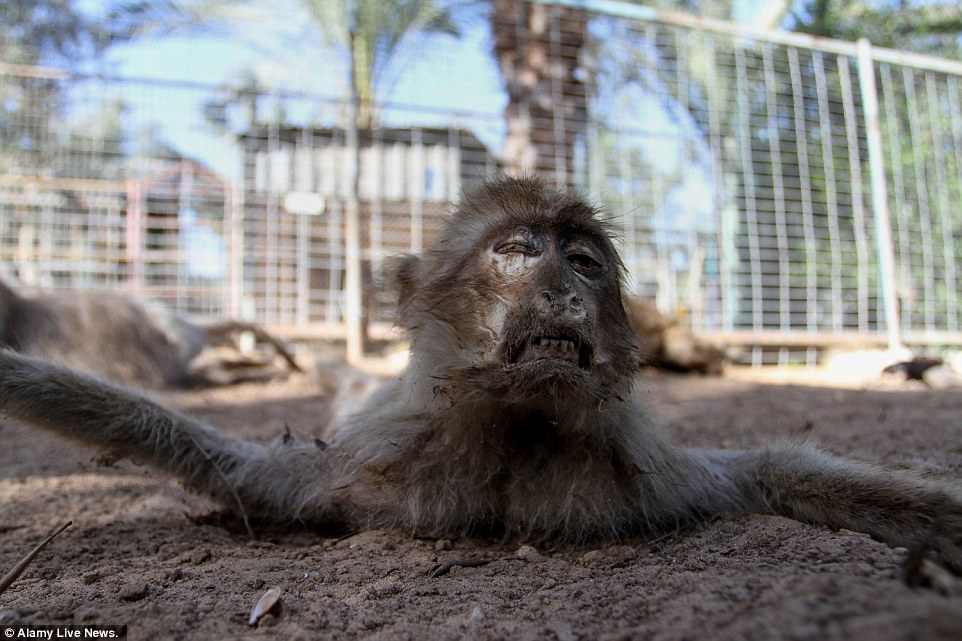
x=515, y=415
x=133, y=342
x=667, y=344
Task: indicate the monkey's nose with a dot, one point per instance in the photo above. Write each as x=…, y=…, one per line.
x=567, y=302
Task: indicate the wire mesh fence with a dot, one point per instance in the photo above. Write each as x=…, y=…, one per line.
x=738, y=165
x=777, y=229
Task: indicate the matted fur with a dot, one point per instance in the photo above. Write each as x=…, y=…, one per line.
x=516, y=414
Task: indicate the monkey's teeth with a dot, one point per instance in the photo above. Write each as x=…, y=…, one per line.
x=551, y=348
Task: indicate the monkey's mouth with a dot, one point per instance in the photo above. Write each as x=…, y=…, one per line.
x=569, y=349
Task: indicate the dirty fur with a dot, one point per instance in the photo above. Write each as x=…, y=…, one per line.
x=129, y=341
x=515, y=416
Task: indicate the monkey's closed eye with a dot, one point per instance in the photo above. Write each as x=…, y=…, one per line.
x=517, y=247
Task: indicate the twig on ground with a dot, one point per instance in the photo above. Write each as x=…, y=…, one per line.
x=18, y=569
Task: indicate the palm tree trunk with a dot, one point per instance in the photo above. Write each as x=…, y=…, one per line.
x=538, y=48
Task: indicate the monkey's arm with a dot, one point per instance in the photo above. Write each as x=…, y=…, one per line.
x=263, y=482
x=899, y=508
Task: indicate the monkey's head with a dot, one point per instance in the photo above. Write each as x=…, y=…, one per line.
x=521, y=298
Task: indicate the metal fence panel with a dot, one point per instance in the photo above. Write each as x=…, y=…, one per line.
x=737, y=163
x=741, y=161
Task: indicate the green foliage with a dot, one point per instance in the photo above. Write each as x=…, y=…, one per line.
x=914, y=25
x=369, y=33
x=48, y=32
x=372, y=31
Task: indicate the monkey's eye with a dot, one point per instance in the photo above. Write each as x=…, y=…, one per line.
x=584, y=264
x=517, y=247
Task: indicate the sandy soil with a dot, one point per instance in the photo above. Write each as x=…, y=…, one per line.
x=142, y=552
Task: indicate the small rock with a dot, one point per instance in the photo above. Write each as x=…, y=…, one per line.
x=527, y=553
x=591, y=556
x=621, y=554
x=91, y=577
x=200, y=556
x=442, y=544
x=133, y=593
x=476, y=615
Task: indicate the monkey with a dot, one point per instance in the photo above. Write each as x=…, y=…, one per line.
x=667, y=344
x=515, y=417
x=129, y=341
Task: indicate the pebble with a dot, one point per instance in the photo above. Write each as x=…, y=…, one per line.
x=91, y=577
x=592, y=555
x=133, y=593
x=200, y=556
x=527, y=553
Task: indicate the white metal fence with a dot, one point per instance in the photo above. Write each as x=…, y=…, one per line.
x=757, y=195
x=768, y=231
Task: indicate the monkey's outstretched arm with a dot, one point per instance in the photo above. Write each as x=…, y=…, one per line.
x=232, y=471
x=899, y=508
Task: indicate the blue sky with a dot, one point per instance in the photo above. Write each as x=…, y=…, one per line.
x=458, y=75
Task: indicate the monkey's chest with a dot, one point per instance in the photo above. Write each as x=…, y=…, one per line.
x=529, y=484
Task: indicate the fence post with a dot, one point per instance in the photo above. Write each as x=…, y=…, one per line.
x=880, y=207
x=236, y=258
x=135, y=237
x=353, y=294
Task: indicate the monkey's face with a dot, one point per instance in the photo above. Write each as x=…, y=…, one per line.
x=550, y=284
x=523, y=294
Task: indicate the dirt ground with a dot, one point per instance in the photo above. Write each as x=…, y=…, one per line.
x=142, y=552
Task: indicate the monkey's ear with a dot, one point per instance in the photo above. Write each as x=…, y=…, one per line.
x=406, y=279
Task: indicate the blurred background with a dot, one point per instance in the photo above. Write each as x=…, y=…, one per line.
x=787, y=175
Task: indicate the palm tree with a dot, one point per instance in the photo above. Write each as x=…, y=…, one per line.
x=926, y=27
x=538, y=48
x=370, y=32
